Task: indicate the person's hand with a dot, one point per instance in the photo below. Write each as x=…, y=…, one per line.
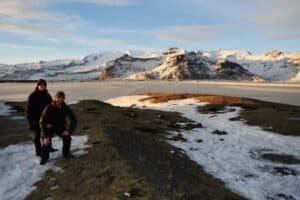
x=65, y=133
x=49, y=125
x=46, y=141
x=32, y=126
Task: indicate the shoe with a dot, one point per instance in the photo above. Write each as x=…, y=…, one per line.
x=43, y=161
x=68, y=156
x=39, y=154
x=52, y=149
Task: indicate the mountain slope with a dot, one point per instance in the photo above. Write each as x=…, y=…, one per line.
x=274, y=65
x=79, y=69
x=181, y=65
x=127, y=65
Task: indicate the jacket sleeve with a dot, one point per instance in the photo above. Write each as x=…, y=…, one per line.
x=43, y=121
x=49, y=98
x=72, y=119
x=29, y=108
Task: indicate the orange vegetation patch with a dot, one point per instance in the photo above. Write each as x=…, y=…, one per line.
x=211, y=99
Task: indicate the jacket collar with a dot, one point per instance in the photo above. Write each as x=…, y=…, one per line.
x=54, y=105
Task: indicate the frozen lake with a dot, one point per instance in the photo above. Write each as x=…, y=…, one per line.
x=102, y=90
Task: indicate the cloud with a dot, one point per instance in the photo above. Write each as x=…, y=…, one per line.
x=278, y=15
x=29, y=29
x=98, y=42
x=31, y=17
x=26, y=47
x=30, y=9
x=285, y=36
x=37, y=9
x=188, y=33
x=106, y=2
x=106, y=44
x=175, y=33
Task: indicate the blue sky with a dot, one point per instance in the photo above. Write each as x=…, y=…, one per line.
x=33, y=30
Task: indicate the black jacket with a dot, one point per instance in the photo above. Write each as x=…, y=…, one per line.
x=57, y=118
x=36, y=103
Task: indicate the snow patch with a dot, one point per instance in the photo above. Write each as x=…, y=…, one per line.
x=20, y=169
x=234, y=158
x=4, y=109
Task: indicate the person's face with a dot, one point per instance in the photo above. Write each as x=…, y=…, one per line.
x=42, y=87
x=59, y=100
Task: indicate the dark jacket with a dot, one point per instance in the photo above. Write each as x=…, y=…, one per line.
x=57, y=118
x=36, y=103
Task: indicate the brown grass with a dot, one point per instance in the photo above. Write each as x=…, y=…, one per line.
x=275, y=117
x=211, y=99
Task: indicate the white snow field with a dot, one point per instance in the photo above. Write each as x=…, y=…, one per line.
x=234, y=158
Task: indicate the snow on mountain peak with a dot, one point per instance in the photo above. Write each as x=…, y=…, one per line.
x=175, y=63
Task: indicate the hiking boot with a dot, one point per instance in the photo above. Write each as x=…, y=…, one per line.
x=52, y=149
x=68, y=156
x=44, y=160
x=39, y=154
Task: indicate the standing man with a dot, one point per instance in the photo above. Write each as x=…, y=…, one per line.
x=53, y=120
x=36, y=103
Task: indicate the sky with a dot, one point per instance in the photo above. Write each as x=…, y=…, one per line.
x=33, y=30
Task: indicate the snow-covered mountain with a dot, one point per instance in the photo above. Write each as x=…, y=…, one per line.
x=79, y=69
x=127, y=65
x=181, y=65
x=175, y=64
x=274, y=65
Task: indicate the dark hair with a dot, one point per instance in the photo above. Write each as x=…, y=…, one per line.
x=60, y=94
x=41, y=82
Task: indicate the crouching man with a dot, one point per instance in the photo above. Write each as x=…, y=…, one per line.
x=53, y=120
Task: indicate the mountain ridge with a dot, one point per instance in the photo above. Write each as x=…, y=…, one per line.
x=174, y=64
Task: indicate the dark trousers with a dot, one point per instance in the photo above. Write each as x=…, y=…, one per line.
x=37, y=140
x=66, y=144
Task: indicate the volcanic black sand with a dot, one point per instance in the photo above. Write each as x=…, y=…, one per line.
x=129, y=153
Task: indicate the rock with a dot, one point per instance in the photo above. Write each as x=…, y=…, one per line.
x=284, y=171
x=274, y=53
x=232, y=71
x=193, y=149
x=160, y=116
x=280, y=196
x=127, y=195
x=185, y=126
x=199, y=141
x=218, y=132
x=179, y=137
